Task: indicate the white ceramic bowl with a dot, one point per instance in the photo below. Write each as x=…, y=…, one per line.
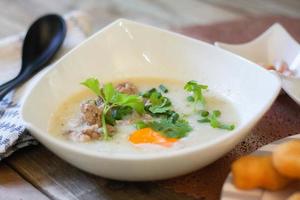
x=128, y=49
x=273, y=46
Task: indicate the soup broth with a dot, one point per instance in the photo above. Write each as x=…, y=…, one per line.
x=68, y=113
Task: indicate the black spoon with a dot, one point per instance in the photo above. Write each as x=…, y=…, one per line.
x=42, y=41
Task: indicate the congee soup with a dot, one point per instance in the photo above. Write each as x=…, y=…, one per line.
x=142, y=115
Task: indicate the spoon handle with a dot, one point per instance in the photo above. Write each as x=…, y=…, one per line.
x=4, y=85
x=14, y=83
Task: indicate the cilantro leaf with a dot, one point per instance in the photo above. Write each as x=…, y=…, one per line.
x=204, y=113
x=167, y=127
x=158, y=109
x=117, y=113
x=148, y=93
x=141, y=124
x=132, y=101
x=197, y=98
x=190, y=99
x=173, y=116
x=117, y=98
x=204, y=120
x=214, y=121
x=178, y=129
x=163, y=88
x=228, y=127
x=92, y=84
x=157, y=99
x=109, y=91
x=157, y=104
x=109, y=119
x=112, y=97
x=197, y=92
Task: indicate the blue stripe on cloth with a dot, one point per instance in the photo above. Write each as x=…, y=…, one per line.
x=13, y=134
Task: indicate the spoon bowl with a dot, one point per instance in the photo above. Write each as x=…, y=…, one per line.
x=42, y=41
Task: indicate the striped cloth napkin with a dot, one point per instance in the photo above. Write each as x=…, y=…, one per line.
x=13, y=134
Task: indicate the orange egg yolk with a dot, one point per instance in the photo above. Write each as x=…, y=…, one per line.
x=148, y=135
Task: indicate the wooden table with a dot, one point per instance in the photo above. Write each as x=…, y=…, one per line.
x=34, y=172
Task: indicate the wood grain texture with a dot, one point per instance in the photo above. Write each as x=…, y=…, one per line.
x=59, y=180
x=16, y=15
x=259, y=7
x=13, y=186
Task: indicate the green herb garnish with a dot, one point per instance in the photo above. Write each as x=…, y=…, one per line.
x=140, y=125
x=159, y=104
x=163, y=88
x=156, y=103
x=197, y=99
x=190, y=99
x=167, y=127
x=196, y=91
x=117, y=113
x=204, y=113
x=168, y=122
x=173, y=116
x=92, y=84
x=148, y=93
x=120, y=112
x=116, y=104
x=214, y=121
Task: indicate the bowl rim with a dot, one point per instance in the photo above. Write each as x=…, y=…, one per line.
x=147, y=156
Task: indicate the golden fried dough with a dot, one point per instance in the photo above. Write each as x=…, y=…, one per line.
x=286, y=159
x=251, y=172
x=295, y=196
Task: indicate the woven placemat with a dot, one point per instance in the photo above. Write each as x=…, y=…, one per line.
x=282, y=120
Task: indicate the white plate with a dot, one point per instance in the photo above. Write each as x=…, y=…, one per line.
x=273, y=46
x=230, y=192
x=127, y=49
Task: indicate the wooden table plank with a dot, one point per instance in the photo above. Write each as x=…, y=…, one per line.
x=59, y=180
x=18, y=14
x=259, y=7
x=191, y=12
x=15, y=17
x=13, y=186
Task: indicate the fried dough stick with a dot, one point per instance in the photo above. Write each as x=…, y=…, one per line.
x=251, y=172
x=286, y=159
x=295, y=196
